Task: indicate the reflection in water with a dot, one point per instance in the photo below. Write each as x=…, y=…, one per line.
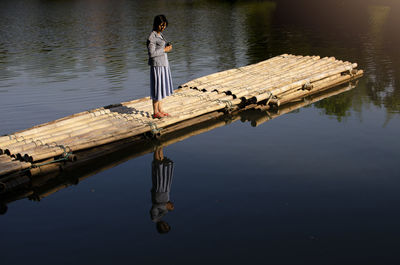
x=383, y=89
x=3, y=208
x=62, y=57
x=162, y=170
x=44, y=181
x=260, y=42
x=362, y=31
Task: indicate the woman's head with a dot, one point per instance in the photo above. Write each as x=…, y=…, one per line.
x=162, y=227
x=160, y=23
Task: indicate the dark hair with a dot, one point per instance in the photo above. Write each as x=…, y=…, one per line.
x=3, y=208
x=158, y=20
x=163, y=227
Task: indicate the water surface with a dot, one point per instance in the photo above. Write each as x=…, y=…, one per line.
x=316, y=186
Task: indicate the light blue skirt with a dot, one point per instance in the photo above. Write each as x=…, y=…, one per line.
x=160, y=82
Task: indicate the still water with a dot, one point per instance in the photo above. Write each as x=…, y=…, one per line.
x=316, y=186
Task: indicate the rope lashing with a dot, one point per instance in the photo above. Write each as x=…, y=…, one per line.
x=38, y=141
x=131, y=117
x=67, y=149
x=352, y=71
x=307, y=85
x=20, y=139
x=269, y=98
x=228, y=104
x=64, y=157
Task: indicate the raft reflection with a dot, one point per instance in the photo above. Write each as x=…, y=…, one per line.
x=46, y=180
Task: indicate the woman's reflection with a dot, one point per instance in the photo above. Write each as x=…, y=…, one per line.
x=162, y=171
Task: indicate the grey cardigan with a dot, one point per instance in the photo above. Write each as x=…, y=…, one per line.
x=155, y=48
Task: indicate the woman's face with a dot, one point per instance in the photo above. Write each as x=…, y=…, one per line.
x=162, y=26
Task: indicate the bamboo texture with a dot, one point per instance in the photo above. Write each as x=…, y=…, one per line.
x=279, y=80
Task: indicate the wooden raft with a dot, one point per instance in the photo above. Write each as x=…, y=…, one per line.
x=276, y=81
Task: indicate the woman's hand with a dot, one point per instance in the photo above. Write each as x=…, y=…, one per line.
x=168, y=48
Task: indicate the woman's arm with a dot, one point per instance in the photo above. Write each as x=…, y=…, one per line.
x=151, y=47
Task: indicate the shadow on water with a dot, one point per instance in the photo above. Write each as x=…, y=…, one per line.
x=43, y=181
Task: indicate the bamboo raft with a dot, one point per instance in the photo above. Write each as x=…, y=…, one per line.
x=274, y=82
x=46, y=180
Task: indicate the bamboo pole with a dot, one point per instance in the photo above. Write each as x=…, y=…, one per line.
x=107, y=138
x=243, y=73
x=261, y=75
x=9, y=137
x=14, y=167
x=84, y=141
x=314, y=78
x=271, y=82
x=289, y=73
x=194, y=97
x=191, y=114
x=19, y=137
x=72, y=123
x=201, y=99
x=300, y=83
x=62, y=130
x=4, y=158
x=42, y=152
x=320, y=86
x=221, y=85
x=18, y=147
x=148, y=107
x=191, y=103
x=64, y=139
x=316, y=87
x=295, y=75
x=74, y=119
x=286, y=108
x=110, y=120
x=229, y=72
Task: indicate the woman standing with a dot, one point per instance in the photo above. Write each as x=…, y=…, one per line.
x=160, y=74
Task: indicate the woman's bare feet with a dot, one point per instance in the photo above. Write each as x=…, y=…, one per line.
x=165, y=114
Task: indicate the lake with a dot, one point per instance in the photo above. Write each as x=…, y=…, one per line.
x=319, y=185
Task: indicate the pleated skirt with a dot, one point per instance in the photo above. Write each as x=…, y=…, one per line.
x=161, y=85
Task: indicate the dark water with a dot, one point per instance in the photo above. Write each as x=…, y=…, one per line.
x=316, y=186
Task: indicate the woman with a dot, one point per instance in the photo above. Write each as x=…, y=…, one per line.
x=160, y=74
